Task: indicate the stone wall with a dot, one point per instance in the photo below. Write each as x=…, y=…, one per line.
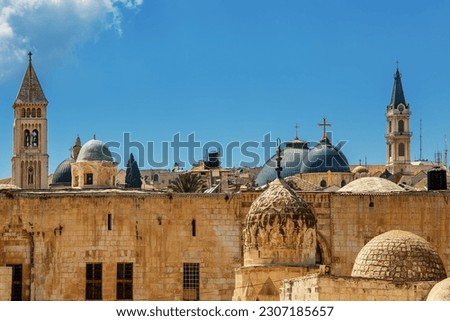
x=152, y=231
x=356, y=219
x=330, y=288
x=5, y=283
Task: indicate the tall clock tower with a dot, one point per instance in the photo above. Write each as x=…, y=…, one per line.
x=30, y=158
x=398, y=134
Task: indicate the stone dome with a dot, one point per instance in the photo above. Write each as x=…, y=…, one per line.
x=325, y=157
x=292, y=159
x=62, y=174
x=360, y=169
x=399, y=256
x=371, y=185
x=440, y=291
x=94, y=150
x=280, y=229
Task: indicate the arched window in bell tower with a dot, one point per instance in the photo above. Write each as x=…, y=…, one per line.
x=401, y=149
x=401, y=126
x=26, y=138
x=35, y=138
x=23, y=112
x=390, y=126
x=30, y=175
x=39, y=112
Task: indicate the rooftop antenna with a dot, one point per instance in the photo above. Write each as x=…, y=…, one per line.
x=445, y=152
x=420, y=140
x=278, y=159
x=296, y=131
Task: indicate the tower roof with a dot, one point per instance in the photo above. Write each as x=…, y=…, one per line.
x=30, y=91
x=398, y=96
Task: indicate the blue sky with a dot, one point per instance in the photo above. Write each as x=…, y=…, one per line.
x=227, y=71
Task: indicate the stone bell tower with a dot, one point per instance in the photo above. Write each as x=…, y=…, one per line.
x=398, y=134
x=30, y=158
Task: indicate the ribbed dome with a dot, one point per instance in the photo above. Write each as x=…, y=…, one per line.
x=62, y=174
x=94, y=150
x=440, y=292
x=399, y=256
x=325, y=157
x=280, y=228
x=291, y=163
x=371, y=185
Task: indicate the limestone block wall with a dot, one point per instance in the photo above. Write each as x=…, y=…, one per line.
x=330, y=288
x=5, y=283
x=152, y=231
x=356, y=219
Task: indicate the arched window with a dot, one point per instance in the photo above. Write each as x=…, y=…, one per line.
x=323, y=183
x=390, y=126
x=35, y=138
x=401, y=126
x=30, y=175
x=28, y=112
x=23, y=112
x=390, y=150
x=39, y=112
x=155, y=177
x=33, y=112
x=401, y=149
x=26, y=138
x=343, y=183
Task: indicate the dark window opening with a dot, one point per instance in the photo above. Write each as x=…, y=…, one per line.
x=16, y=285
x=89, y=179
x=191, y=281
x=109, y=222
x=93, y=281
x=35, y=138
x=39, y=112
x=194, y=228
x=124, y=289
x=401, y=126
x=323, y=183
x=27, y=138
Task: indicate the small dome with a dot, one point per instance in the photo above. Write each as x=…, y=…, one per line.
x=94, y=150
x=325, y=157
x=62, y=174
x=371, y=185
x=360, y=169
x=280, y=228
x=399, y=256
x=291, y=163
x=440, y=292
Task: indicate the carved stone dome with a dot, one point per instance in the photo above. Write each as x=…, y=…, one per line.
x=440, y=292
x=94, y=150
x=280, y=229
x=399, y=256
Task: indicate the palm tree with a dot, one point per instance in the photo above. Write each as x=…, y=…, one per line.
x=187, y=183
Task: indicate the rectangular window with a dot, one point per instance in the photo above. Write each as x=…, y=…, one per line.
x=16, y=286
x=191, y=281
x=89, y=179
x=93, y=281
x=124, y=289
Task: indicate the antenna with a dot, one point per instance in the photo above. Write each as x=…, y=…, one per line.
x=445, y=152
x=420, y=155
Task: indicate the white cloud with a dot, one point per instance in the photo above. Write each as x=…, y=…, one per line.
x=53, y=28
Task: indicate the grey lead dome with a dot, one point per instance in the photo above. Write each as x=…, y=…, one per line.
x=95, y=150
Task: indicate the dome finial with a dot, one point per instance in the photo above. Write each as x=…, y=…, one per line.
x=29, y=56
x=324, y=125
x=278, y=159
x=94, y=137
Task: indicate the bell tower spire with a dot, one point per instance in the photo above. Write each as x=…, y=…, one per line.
x=30, y=158
x=398, y=134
